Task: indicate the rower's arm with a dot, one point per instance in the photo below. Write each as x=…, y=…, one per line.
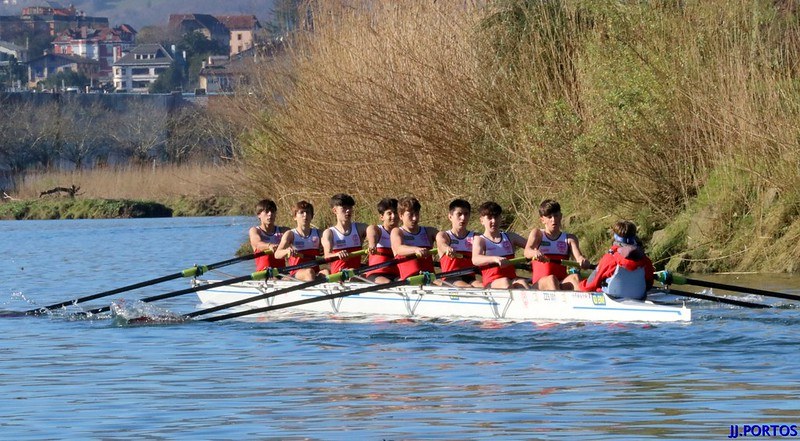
x=400, y=249
x=532, y=245
x=285, y=247
x=479, y=257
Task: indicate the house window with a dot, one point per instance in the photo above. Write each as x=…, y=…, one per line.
x=119, y=72
x=239, y=36
x=140, y=71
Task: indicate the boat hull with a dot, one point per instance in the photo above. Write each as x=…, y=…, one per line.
x=432, y=302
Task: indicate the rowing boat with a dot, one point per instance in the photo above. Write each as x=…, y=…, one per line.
x=433, y=302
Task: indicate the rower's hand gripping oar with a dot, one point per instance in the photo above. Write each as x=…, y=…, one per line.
x=420, y=280
x=341, y=276
x=194, y=271
x=258, y=275
x=668, y=278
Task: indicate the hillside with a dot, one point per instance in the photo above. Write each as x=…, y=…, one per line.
x=140, y=13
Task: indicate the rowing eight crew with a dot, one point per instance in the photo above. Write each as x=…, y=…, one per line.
x=623, y=272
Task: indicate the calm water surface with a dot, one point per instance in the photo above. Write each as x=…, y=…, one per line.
x=63, y=378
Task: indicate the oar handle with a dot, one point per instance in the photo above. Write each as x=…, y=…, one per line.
x=336, y=277
x=428, y=278
x=347, y=274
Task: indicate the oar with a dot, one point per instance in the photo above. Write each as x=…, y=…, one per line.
x=741, y=303
x=413, y=280
x=336, y=277
x=668, y=278
x=258, y=275
x=196, y=270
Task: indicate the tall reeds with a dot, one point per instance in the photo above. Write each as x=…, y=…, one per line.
x=630, y=109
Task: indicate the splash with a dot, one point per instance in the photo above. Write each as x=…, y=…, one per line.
x=140, y=313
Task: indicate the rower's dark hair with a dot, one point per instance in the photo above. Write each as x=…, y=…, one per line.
x=303, y=205
x=266, y=205
x=490, y=208
x=624, y=228
x=342, y=200
x=549, y=207
x=408, y=203
x=459, y=203
x=387, y=204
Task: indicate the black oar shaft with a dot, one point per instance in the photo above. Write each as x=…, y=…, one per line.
x=742, y=289
x=300, y=286
x=413, y=280
x=306, y=301
x=256, y=298
x=107, y=293
x=728, y=301
x=182, y=292
x=185, y=273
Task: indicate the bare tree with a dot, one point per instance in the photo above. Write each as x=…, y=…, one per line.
x=81, y=130
x=140, y=131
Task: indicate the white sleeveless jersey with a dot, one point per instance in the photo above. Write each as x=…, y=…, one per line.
x=420, y=239
x=274, y=238
x=310, y=242
x=558, y=247
x=504, y=248
x=385, y=240
x=461, y=244
x=342, y=242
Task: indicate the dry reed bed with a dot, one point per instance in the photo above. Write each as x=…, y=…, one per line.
x=137, y=183
x=621, y=109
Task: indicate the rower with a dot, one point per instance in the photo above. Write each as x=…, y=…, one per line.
x=379, y=244
x=455, y=245
x=301, y=244
x=345, y=237
x=550, y=243
x=266, y=236
x=496, y=246
x=411, y=238
x=625, y=272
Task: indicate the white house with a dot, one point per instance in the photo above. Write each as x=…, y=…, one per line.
x=139, y=68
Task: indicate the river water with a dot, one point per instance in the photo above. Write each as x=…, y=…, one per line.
x=67, y=378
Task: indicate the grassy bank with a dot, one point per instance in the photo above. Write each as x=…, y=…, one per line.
x=167, y=190
x=682, y=116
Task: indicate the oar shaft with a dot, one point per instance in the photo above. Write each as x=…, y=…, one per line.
x=668, y=278
x=306, y=301
x=333, y=277
x=742, y=289
x=106, y=293
x=734, y=302
x=189, y=272
x=257, y=298
x=254, y=276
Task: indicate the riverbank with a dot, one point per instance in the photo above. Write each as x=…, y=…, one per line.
x=132, y=191
x=67, y=208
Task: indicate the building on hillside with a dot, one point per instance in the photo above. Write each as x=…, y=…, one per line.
x=237, y=33
x=105, y=45
x=40, y=68
x=221, y=75
x=140, y=67
x=48, y=20
x=242, y=30
x=205, y=24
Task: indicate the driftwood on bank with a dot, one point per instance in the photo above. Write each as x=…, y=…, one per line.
x=71, y=191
